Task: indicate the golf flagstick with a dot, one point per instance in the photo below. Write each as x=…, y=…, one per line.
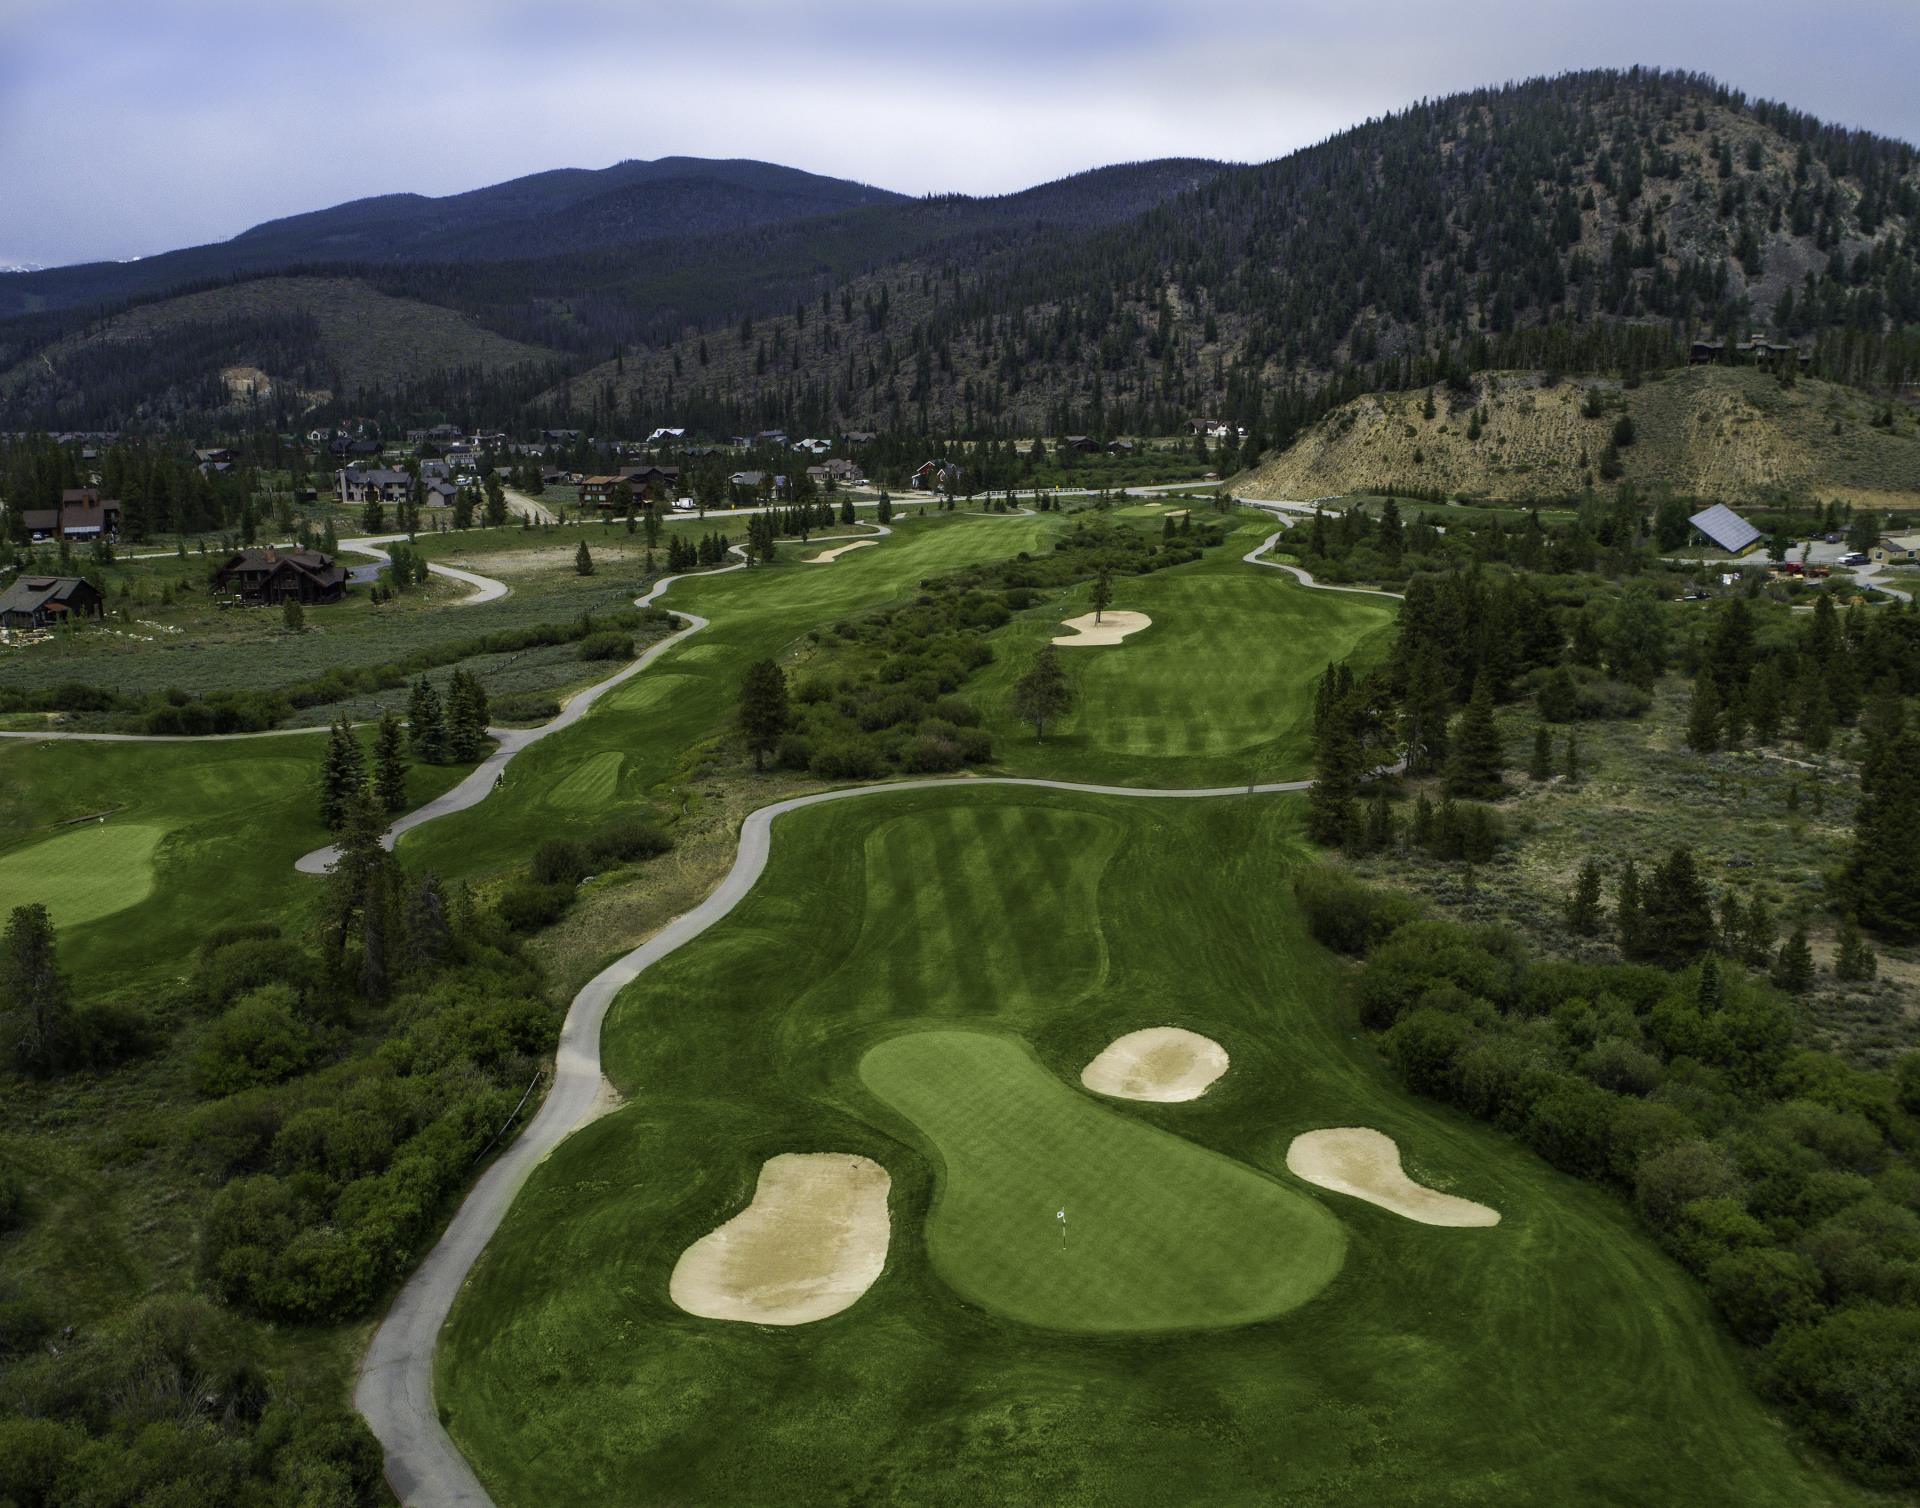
x=1062, y=1218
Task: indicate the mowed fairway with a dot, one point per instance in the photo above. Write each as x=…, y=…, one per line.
x=1558, y=1357
x=1158, y=1234
x=1218, y=691
x=567, y=785
x=91, y=870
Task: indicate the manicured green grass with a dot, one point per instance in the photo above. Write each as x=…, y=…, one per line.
x=86, y=872
x=1159, y=1234
x=199, y=835
x=688, y=694
x=1217, y=692
x=1556, y=1358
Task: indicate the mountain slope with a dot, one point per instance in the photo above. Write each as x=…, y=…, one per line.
x=1733, y=433
x=1637, y=198
x=289, y=343
x=568, y=209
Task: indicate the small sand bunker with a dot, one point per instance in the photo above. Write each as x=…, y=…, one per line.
x=1366, y=1164
x=1161, y=1063
x=827, y=557
x=1111, y=629
x=813, y=1240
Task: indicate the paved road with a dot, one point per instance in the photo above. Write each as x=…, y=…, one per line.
x=395, y=1387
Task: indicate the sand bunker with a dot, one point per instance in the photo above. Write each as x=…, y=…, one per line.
x=1366, y=1164
x=813, y=1240
x=1111, y=629
x=1161, y=1063
x=826, y=557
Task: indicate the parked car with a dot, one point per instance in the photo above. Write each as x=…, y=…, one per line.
x=1858, y=557
x=684, y=505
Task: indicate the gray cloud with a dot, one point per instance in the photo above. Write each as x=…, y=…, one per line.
x=132, y=126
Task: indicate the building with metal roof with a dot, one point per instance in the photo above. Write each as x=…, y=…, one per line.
x=1725, y=528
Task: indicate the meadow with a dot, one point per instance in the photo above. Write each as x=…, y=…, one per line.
x=1556, y=1357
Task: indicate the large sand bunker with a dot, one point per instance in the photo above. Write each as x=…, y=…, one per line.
x=811, y=1242
x=1111, y=629
x=1366, y=1164
x=827, y=557
x=1162, y=1063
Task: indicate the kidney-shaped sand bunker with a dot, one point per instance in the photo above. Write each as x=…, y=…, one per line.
x=813, y=1240
x=1366, y=1164
x=1111, y=629
x=1166, y=1064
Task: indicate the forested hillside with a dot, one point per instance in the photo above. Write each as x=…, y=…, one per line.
x=1388, y=254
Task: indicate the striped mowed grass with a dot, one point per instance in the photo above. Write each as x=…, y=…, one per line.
x=92, y=870
x=1556, y=1357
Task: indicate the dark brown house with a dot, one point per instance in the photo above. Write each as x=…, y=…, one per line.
x=271, y=575
x=42, y=601
x=82, y=514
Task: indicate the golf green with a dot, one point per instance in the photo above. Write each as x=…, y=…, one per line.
x=1060, y=1212
x=94, y=870
x=915, y=964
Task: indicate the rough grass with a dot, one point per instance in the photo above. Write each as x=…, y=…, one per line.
x=1558, y=1357
x=1728, y=432
x=1160, y=1234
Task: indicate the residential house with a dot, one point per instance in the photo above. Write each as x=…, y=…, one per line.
x=269, y=575
x=813, y=447
x=664, y=433
x=932, y=475
x=1120, y=447
x=435, y=471
x=560, y=436
x=757, y=486
x=860, y=437
x=364, y=484
x=439, y=493
x=83, y=514
x=43, y=601
x=1086, y=444
x=598, y=491
x=658, y=482
x=1895, y=549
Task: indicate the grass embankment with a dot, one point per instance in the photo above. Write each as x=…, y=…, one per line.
x=1558, y=1357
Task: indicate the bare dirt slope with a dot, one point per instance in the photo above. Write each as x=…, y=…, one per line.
x=1733, y=433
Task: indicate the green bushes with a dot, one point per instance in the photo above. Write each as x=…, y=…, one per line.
x=528, y=906
x=258, y=1040
x=627, y=839
x=1345, y=915
x=607, y=645
x=1781, y=1177
x=559, y=862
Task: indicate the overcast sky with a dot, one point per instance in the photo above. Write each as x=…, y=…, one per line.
x=134, y=126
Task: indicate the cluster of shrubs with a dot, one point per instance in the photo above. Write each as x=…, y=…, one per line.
x=888, y=697
x=1781, y=1176
x=177, y=712
x=560, y=864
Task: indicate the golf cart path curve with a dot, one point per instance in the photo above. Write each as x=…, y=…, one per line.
x=394, y=1390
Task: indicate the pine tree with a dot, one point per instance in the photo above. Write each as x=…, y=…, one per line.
x=1757, y=932
x=35, y=1004
x=466, y=718
x=1420, y=832
x=1676, y=912
x=1882, y=879
x=583, y=560
x=426, y=727
x=390, y=765
x=1793, y=965
x=293, y=617
x=1473, y=768
x=1709, y=994
x=1583, y=906
x=1855, y=961
x=1043, y=693
x=342, y=775
x=1570, y=766
x=1626, y=910
x=1379, y=828
x=1703, y=721
x=1102, y=592
x=763, y=709
x=1540, y=767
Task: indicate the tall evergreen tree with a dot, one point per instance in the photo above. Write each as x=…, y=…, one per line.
x=1882, y=878
x=1703, y=720
x=1676, y=913
x=1043, y=693
x=763, y=709
x=466, y=718
x=1540, y=767
x=342, y=775
x=1793, y=965
x=390, y=765
x=426, y=724
x=1476, y=760
x=1627, y=920
x=1583, y=906
x=1102, y=592
x=1332, y=812
x=35, y=1002
x=583, y=560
